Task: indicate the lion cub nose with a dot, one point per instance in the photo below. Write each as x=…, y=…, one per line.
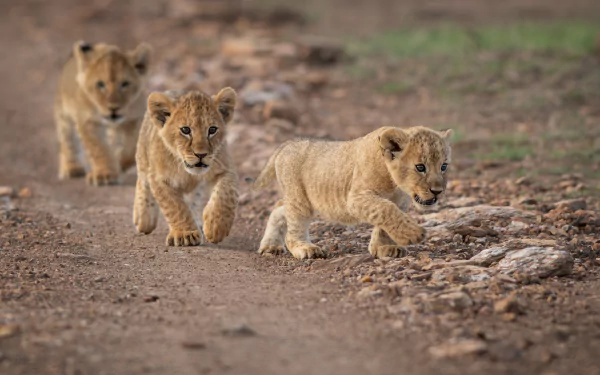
x=435, y=192
x=200, y=156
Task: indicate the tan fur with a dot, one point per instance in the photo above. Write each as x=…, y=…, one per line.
x=166, y=179
x=98, y=81
x=369, y=179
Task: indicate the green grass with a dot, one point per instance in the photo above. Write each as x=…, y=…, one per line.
x=507, y=147
x=453, y=40
x=508, y=153
x=395, y=88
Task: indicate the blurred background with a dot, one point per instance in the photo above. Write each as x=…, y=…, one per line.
x=518, y=80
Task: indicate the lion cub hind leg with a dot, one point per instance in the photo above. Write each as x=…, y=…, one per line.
x=382, y=245
x=273, y=240
x=69, y=162
x=297, y=240
x=145, y=209
x=197, y=201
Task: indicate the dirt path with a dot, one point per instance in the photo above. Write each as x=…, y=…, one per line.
x=94, y=318
x=89, y=296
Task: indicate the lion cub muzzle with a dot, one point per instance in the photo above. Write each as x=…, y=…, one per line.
x=198, y=163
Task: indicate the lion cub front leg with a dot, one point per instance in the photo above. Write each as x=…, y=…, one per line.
x=393, y=227
x=273, y=240
x=183, y=230
x=297, y=240
x=219, y=212
x=105, y=170
x=382, y=245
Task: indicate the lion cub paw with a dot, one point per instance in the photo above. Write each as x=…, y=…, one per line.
x=388, y=251
x=184, y=238
x=143, y=222
x=71, y=171
x=102, y=178
x=216, y=229
x=308, y=251
x=412, y=235
x=269, y=250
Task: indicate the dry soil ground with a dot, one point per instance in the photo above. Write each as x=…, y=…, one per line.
x=81, y=293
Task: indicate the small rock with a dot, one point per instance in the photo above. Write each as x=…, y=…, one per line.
x=321, y=51
x=151, y=298
x=25, y=193
x=537, y=262
x=463, y=274
x=349, y=261
x=317, y=80
x=366, y=279
x=281, y=110
x=9, y=330
x=369, y=291
x=571, y=204
x=523, y=181
x=454, y=301
x=240, y=330
x=262, y=92
x=474, y=231
x=458, y=348
x=6, y=191
x=488, y=256
x=238, y=46
x=422, y=276
x=509, y=304
x=463, y=202
x=528, y=201
x=282, y=126
x=538, y=242
x=190, y=344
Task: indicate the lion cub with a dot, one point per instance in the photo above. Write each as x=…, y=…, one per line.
x=99, y=104
x=182, y=155
x=364, y=180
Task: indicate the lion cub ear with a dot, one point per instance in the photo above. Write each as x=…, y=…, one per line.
x=446, y=134
x=160, y=107
x=140, y=57
x=83, y=53
x=225, y=101
x=392, y=142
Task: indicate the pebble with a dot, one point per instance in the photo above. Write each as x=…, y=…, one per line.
x=240, y=330
x=458, y=348
x=509, y=304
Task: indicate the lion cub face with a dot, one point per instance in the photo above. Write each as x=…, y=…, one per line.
x=418, y=160
x=111, y=79
x=193, y=125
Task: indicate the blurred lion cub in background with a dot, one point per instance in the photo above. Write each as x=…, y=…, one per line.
x=99, y=106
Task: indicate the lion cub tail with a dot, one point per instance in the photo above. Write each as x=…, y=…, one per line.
x=268, y=174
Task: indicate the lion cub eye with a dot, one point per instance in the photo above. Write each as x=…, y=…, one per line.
x=124, y=84
x=213, y=130
x=420, y=168
x=100, y=85
x=185, y=130
x=444, y=167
